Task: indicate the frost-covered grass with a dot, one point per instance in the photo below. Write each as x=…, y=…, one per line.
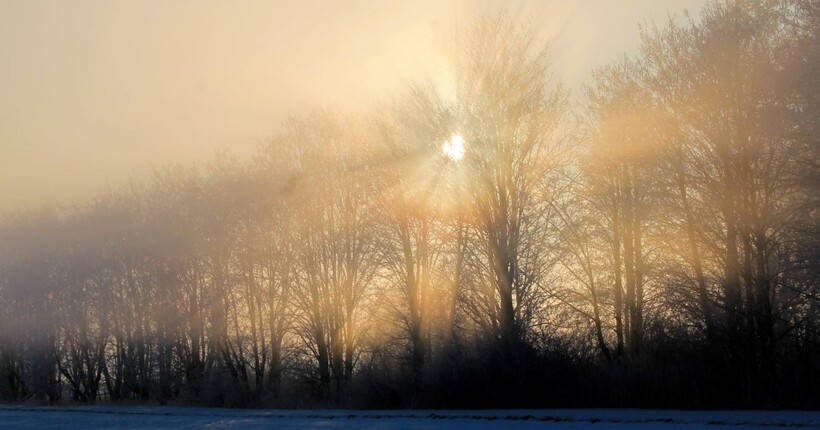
x=141, y=417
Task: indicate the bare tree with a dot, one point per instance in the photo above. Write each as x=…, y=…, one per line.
x=508, y=112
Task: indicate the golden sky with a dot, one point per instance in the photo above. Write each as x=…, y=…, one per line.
x=94, y=92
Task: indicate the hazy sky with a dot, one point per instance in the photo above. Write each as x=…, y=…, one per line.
x=95, y=92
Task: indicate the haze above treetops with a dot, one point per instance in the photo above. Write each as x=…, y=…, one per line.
x=97, y=93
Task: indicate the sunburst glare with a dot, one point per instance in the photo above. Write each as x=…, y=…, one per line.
x=454, y=148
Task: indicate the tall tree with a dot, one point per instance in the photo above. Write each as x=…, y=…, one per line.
x=508, y=114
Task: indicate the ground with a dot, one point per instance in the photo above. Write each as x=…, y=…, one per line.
x=125, y=417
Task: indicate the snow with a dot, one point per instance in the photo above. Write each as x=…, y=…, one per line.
x=144, y=417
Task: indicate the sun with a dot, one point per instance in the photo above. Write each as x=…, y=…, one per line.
x=454, y=148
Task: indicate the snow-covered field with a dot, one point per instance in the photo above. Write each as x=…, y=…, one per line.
x=124, y=417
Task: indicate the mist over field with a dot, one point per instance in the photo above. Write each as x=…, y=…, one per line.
x=443, y=205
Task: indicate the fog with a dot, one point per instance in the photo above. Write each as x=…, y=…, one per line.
x=95, y=93
x=412, y=206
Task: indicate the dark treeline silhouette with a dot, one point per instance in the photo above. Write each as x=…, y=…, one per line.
x=657, y=246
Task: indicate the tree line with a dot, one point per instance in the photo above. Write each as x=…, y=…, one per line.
x=654, y=241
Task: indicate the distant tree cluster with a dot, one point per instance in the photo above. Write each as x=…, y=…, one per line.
x=657, y=246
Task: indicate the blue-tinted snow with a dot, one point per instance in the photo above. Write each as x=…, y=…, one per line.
x=141, y=417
